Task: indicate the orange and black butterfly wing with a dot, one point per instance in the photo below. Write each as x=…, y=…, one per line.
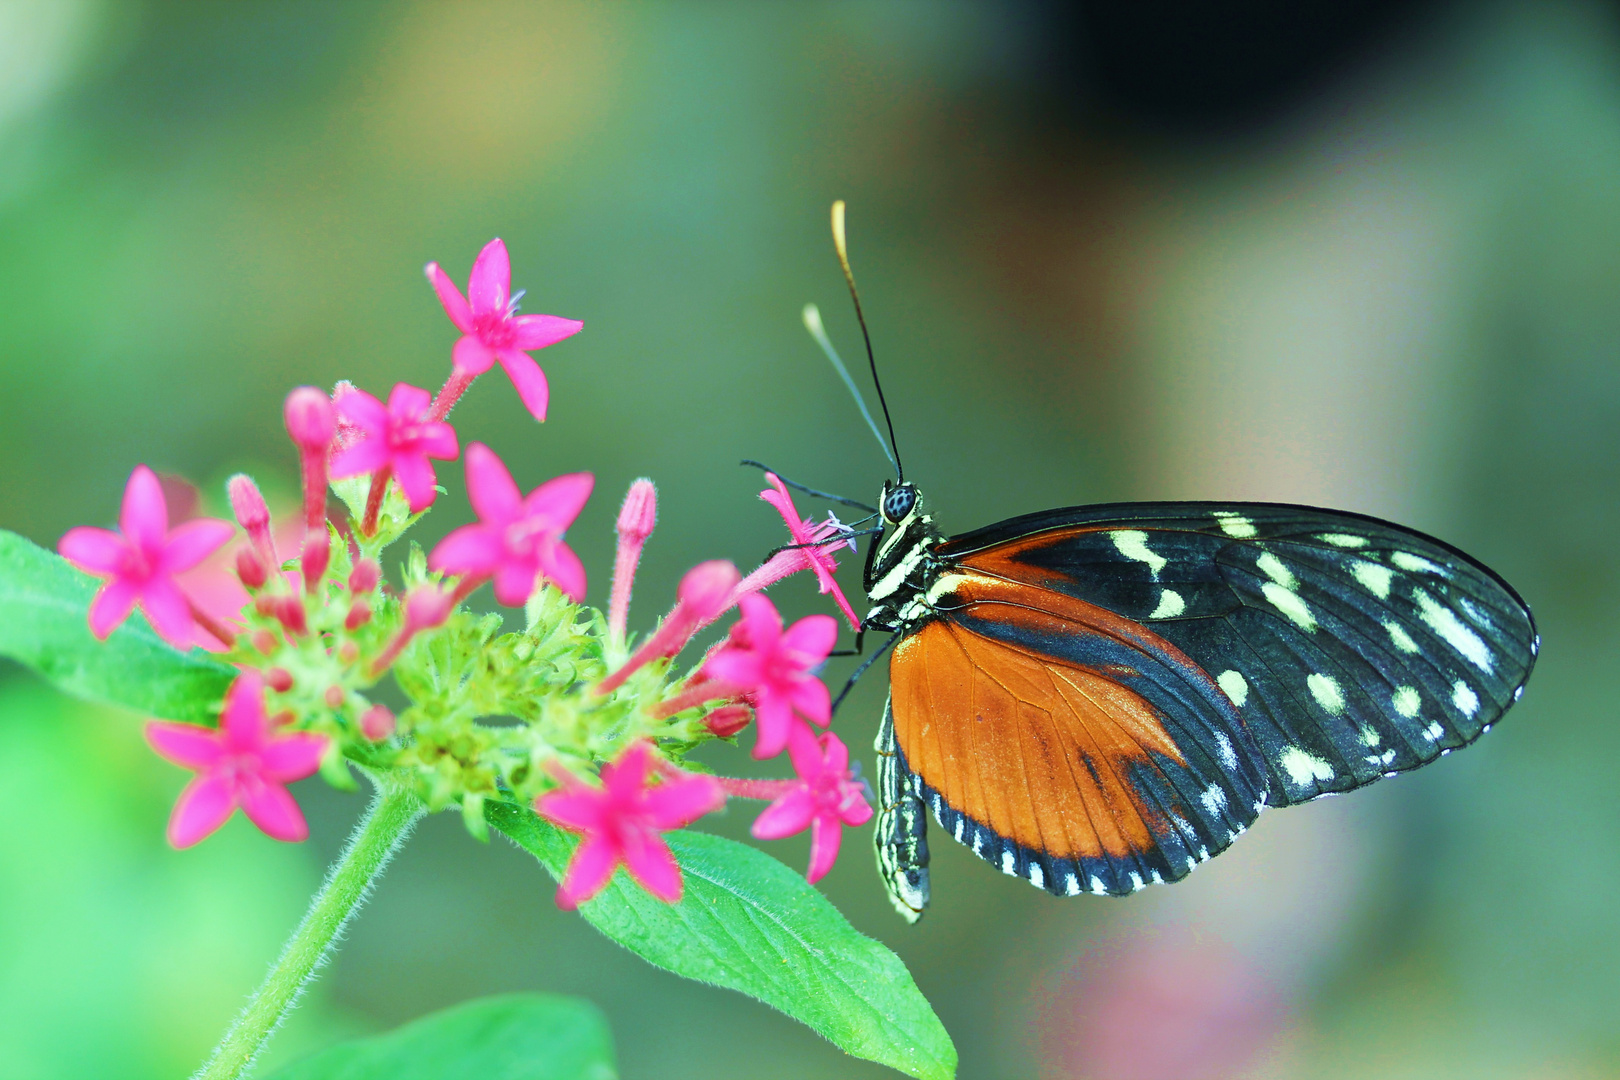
x=1340, y=648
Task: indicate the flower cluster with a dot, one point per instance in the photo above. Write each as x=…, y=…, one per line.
x=604, y=723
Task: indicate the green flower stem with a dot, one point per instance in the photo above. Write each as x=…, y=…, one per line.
x=388, y=821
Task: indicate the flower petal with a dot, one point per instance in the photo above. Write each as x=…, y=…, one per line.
x=292, y=757
x=144, y=517
x=649, y=861
x=243, y=721
x=789, y=814
x=529, y=380
x=471, y=549
x=191, y=543
x=564, y=570
x=764, y=625
x=675, y=804
x=775, y=722
x=854, y=810
x=416, y=479
x=627, y=776
x=588, y=872
x=559, y=500
x=273, y=809
x=366, y=455
x=95, y=551
x=455, y=305
x=491, y=280
x=825, y=834
x=169, y=612
x=363, y=411
x=812, y=637
x=471, y=355
x=805, y=751
x=203, y=806
x=437, y=440
x=578, y=808
x=191, y=746
x=494, y=495
x=531, y=332
x=112, y=605
x=408, y=403
x=810, y=697
x=783, y=502
x=514, y=582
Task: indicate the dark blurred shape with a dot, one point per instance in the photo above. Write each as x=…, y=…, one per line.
x=1182, y=67
x=1150, y=1008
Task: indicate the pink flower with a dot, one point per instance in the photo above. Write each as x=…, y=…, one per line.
x=490, y=329
x=621, y=821
x=517, y=537
x=397, y=437
x=140, y=564
x=243, y=763
x=704, y=594
x=775, y=669
x=824, y=799
x=812, y=547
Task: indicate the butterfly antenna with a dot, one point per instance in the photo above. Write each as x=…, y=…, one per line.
x=849, y=276
x=812, y=323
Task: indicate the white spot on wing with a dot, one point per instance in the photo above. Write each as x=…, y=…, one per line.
x=1344, y=540
x=1403, y=641
x=1009, y=861
x=1406, y=701
x=1170, y=605
x=1214, y=800
x=1325, y=689
x=1235, y=686
x=1132, y=543
x=1370, y=736
x=1274, y=569
x=1097, y=886
x=1234, y=524
x=961, y=825
x=1415, y=563
x=1289, y=604
x=1137, y=884
x=1071, y=885
x=1433, y=733
x=1223, y=749
x=1037, y=877
x=1302, y=767
x=1373, y=577
x=1463, y=696
x=1443, y=621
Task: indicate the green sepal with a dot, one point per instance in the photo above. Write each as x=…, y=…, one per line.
x=335, y=768
x=472, y=815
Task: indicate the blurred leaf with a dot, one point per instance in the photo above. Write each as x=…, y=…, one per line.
x=749, y=923
x=43, y=605
x=513, y=1037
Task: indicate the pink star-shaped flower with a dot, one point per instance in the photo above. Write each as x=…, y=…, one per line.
x=242, y=763
x=812, y=547
x=775, y=669
x=492, y=332
x=140, y=562
x=824, y=799
x=516, y=537
x=621, y=821
x=398, y=437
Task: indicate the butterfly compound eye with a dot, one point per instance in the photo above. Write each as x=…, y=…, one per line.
x=899, y=502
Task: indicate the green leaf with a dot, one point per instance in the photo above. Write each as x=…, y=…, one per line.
x=749, y=923
x=43, y=605
x=512, y=1037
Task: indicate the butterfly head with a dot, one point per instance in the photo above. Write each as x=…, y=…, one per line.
x=897, y=501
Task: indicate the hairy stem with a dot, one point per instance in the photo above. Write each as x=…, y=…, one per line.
x=388, y=821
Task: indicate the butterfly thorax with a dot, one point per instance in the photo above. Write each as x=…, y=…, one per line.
x=903, y=564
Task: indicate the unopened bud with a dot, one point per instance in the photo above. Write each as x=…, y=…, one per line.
x=335, y=697
x=639, y=513
x=348, y=652
x=364, y=577
x=426, y=606
x=311, y=420
x=705, y=591
x=359, y=615
x=727, y=720
x=377, y=723
x=317, y=553
x=279, y=679
x=247, y=503
x=250, y=568
x=263, y=640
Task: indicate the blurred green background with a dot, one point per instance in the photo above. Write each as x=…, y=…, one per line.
x=1365, y=255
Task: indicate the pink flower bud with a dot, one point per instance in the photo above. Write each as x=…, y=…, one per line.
x=377, y=723
x=279, y=679
x=311, y=420
x=317, y=553
x=639, y=513
x=427, y=606
x=348, y=652
x=287, y=610
x=727, y=720
x=359, y=615
x=247, y=503
x=265, y=641
x=335, y=697
x=705, y=591
x=250, y=568
x=364, y=577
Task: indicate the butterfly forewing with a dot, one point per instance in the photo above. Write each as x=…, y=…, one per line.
x=1168, y=669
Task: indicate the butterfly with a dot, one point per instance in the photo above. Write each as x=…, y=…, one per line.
x=1099, y=698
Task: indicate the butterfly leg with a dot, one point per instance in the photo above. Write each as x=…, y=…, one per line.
x=901, y=833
